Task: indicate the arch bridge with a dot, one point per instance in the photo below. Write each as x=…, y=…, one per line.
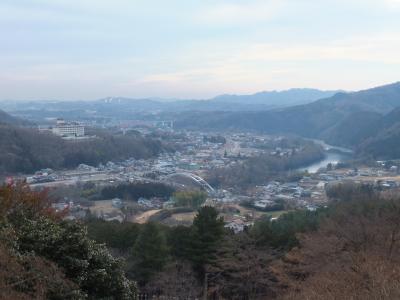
x=195, y=179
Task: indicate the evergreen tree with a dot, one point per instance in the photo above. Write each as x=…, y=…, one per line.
x=179, y=240
x=193, y=199
x=208, y=231
x=149, y=254
x=65, y=262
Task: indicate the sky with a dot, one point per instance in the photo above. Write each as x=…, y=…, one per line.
x=197, y=49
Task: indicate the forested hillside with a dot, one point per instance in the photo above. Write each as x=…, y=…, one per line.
x=384, y=139
x=44, y=257
x=5, y=118
x=349, y=248
x=334, y=253
x=27, y=150
x=363, y=120
x=312, y=119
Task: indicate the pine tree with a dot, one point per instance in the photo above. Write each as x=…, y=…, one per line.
x=149, y=254
x=208, y=230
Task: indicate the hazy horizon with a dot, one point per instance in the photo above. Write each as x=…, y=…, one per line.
x=73, y=50
x=166, y=99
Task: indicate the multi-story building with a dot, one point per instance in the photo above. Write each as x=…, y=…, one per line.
x=69, y=129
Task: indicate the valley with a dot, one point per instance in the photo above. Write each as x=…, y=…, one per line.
x=264, y=177
x=199, y=150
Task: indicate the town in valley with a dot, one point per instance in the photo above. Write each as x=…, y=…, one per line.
x=197, y=155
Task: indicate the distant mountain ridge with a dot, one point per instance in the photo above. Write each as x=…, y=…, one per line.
x=368, y=119
x=289, y=97
x=123, y=106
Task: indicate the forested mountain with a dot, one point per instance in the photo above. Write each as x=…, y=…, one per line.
x=314, y=119
x=364, y=120
x=5, y=118
x=347, y=119
x=27, y=150
x=123, y=108
x=277, y=98
x=384, y=141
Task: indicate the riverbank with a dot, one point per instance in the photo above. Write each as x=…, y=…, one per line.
x=333, y=155
x=330, y=158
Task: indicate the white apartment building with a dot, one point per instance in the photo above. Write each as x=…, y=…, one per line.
x=68, y=129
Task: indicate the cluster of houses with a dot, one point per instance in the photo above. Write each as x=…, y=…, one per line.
x=75, y=211
x=276, y=196
x=153, y=203
x=197, y=153
x=238, y=223
x=41, y=176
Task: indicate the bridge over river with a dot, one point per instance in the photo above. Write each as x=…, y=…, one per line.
x=186, y=179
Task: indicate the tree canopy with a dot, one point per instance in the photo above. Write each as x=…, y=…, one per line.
x=35, y=233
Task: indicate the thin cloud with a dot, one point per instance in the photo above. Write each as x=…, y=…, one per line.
x=377, y=49
x=240, y=13
x=126, y=47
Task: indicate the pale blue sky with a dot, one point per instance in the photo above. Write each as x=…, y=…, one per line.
x=87, y=49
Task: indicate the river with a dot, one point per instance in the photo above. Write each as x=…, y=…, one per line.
x=340, y=154
x=328, y=147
